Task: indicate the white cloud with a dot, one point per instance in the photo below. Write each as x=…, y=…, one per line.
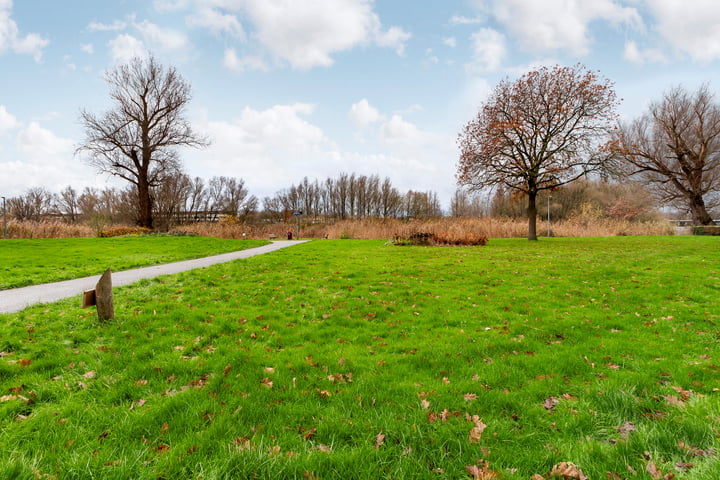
x=553, y=25
x=125, y=47
x=363, y=114
x=691, y=26
x=462, y=20
x=274, y=148
x=395, y=38
x=418, y=159
x=7, y=120
x=43, y=159
x=12, y=40
x=488, y=51
x=164, y=6
x=641, y=56
x=162, y=39
x=269, y=148
x=450, y=42
x=397, y=131
x=306, y=34
x=87, y=48
x=217, y=22
x=37, y=143
x=248, y=63
x=117, y=25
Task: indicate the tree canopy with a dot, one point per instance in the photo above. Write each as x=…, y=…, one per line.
x=674, y=148
x=137, y=139
x=539, y=132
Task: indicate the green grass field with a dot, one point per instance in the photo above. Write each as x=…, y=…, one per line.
x=355, y=359
x=31, y=262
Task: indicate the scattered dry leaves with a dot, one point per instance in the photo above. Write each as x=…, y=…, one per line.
x=696, y=451
x=567, y=471
x=477, y=431
x=550, y=403
x=481, y=471
x=626, y=429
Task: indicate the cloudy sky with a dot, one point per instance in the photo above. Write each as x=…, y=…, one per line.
x=294, y=88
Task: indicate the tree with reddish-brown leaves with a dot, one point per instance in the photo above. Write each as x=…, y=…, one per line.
x=539, y=132
x=674, y=148
x=137, y=139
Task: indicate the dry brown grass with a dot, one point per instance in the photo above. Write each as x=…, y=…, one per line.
x=234, y=230
x=449, y=230
x=605, y=228
x=122, y=230
x=492, y=227
x=52, y=229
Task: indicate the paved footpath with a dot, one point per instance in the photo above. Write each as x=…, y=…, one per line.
x=16, y=299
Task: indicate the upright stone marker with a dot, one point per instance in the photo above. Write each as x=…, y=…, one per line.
x=104, y=297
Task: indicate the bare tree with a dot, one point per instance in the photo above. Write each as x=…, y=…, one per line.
x=230, y=196
x=421, y=205
x=539, y=132
x=467, y=204
x=137, y=139
x=197, y=197
x=170, y=197
x=34, y=205
x=675, y=149
x=68, y=204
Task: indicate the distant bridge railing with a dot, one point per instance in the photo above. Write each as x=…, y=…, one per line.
x=689, y=223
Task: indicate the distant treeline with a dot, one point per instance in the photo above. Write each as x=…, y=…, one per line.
x=182, y=199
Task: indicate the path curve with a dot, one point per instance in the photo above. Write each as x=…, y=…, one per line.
x=16, y=299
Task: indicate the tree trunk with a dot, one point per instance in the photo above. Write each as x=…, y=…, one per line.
x=145, y=216
x=700, y=216
x=532, y=216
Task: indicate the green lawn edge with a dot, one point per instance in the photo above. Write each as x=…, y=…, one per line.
x=37, y=261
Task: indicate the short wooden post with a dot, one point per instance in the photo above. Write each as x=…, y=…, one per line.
x=104, y=297
x=88, y=299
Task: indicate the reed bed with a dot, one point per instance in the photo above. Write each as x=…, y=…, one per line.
x=491, y=227
x=234, y=230
x=452, y=230
x=51, y=229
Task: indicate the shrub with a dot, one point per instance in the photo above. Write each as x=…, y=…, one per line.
x=441, y=238
x=119, y=231
x=706, y=230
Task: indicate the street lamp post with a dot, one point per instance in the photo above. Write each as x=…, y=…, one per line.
x=549, y=197
x=297, y=223
x=4, y=219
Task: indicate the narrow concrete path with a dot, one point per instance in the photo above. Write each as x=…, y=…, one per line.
x=16, y=299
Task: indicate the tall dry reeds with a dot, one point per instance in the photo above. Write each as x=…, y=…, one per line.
x=51, y=229
x=234, y=230
x=449, y=229
x=492, y=227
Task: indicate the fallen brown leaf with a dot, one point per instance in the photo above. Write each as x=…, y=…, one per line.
x=568, y=471
x=379, y=439
x=550, y=403
x=626, y=429
x=481, y=472
x=477, y=431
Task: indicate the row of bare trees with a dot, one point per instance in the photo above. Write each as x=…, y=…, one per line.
x=351, y=196
x=178, y=199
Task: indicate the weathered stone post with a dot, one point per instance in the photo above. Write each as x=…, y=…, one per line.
x=101, y=297
x=104, y=297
